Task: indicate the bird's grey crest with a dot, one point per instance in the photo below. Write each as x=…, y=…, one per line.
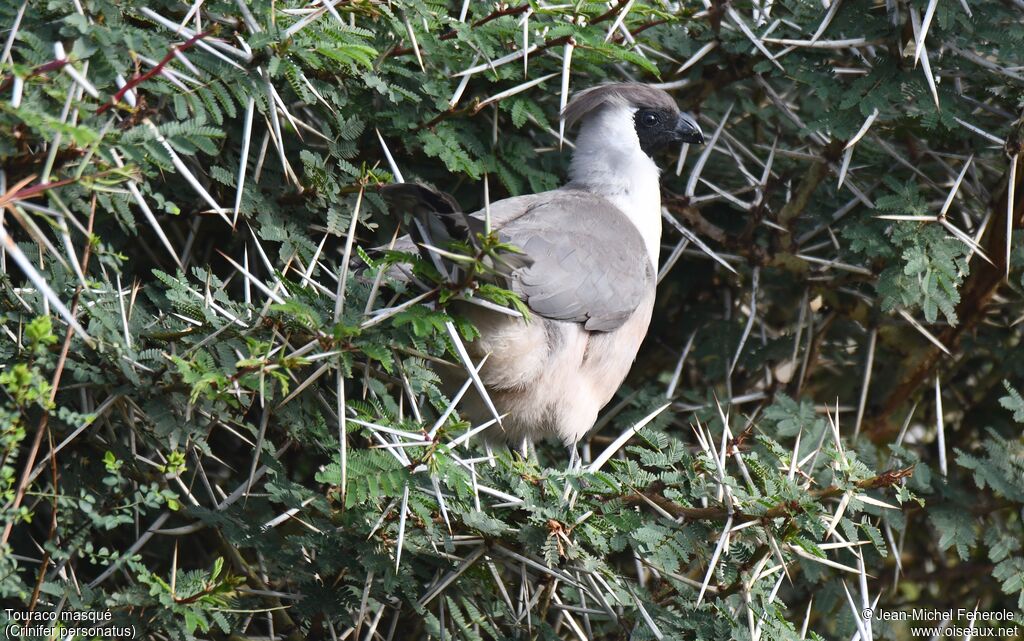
x=624, y=93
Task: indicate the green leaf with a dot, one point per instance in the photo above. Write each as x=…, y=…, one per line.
x=956, y=528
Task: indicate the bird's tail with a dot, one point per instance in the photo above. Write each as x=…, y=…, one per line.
x=434, y=220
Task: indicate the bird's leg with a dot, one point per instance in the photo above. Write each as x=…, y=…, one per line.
x=524, y=448
x=575, y=461
x=575, y=465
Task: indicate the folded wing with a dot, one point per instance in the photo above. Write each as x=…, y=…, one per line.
x=589, y=263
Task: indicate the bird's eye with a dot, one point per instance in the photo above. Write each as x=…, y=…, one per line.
x=649, y=119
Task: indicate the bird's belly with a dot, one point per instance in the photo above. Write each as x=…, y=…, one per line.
x=610, y=355
x=550, y=377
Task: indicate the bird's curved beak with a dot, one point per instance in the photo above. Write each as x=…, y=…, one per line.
x=687, y=130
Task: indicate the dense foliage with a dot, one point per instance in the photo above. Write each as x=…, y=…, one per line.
x=220, y=417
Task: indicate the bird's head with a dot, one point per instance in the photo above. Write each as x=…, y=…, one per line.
x=632, y=114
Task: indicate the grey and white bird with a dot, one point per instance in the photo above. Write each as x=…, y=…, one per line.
x=588, y=274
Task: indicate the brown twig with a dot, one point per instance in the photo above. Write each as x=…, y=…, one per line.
x=717, y=513
x=44, y=421
x=18, y=192
x=681, y=205
x=611, y=13
x=138, y=79
x=53, y=65
x=817, y=172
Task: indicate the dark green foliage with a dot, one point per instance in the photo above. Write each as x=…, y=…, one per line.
x=221, y=417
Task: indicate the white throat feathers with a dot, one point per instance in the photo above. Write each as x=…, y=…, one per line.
x=608, y=161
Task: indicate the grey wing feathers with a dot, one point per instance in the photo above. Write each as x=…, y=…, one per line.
x=589, y=265
x=583, y=262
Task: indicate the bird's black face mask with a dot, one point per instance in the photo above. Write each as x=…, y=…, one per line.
x=657, y=128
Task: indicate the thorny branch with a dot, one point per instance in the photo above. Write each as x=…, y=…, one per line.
x=157, y=69
x=43, y=427
x=981, y=285
x=654, y=494
x=515, y=11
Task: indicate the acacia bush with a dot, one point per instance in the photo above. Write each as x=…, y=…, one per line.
x=221, y=418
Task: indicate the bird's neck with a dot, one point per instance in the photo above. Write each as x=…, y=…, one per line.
x=608, y=161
